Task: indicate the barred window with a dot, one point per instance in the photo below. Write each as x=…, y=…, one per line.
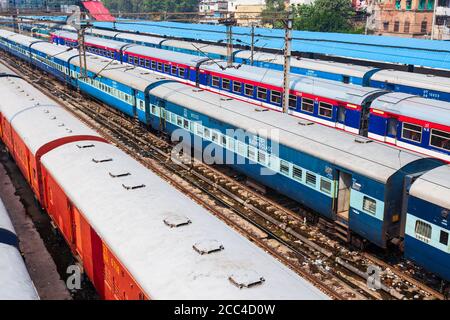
x=297, y=173
x=179, y=121
x=292, y=101
x=412, y=132
x=261, y=157
x=159, y=66
x=252, y=153
x=226, y=84
x=308, y=105
x=181, y=72
x=237, y=86
x=284, y=167
x=440, y=139
x=275, y=97
x=262, y=93
x=310, y=179
x=248, y=90
x=423, y=231
x=186, y=124
x=166, y=68
x=206, y=133
x=153, y=65
x=174, y=70
x=326, y=110
x=224, y=141
x=325, y=185
x=215, y=82
x=199, y=129
x=443, y=238
x=214, y=137
x=242, y=149
x=369, y=205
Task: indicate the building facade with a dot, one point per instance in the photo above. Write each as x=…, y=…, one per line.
x=405, y=18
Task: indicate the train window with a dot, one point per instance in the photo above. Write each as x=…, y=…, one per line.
x=297, y=173
x=159, y=66
x=136, y=61
x=181, y=72
x=412, y=132
x=199, y=129
x=248, y=90
x=423, y=231
x=252, y=153
x=440, y=139
x=443, y=238
x=346, y=79
x=261, y=157
x=147, y=64
x=261, y=93
x=215, y=82
x=275, y=97
x=242, y=149
x=224, y=140
x=369, y=205
x=206, y=133
x=284, y=167
x=179, y=121
x=142, y=62
x=326, y=110
x=392, y=127
x=310, y=179
x=308, y=105
x=186, y=124
x=231, y=144
x=166, y=68
x=226, y=84
x=153, y=64
x=292, y=102
x=237, y=86
x=174, y=70
x=325, y=185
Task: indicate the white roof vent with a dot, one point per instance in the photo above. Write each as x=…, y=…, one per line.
x=305, y=123
x=52, y=118
x=101, y=159
x=208, y=246
x=118, y=174
x=85, y=145
x=362, y=140
x=61, y=124
x=261, y=109
x=226, y=99
x=132, y=186
x=246, y=279
x=68, y=130
x=175, y=221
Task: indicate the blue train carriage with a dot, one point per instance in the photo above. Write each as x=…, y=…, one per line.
x=17, y=44
x=412, y=122
x=334, y=104
x=341, y=72
x=428, y=222
x=342, y=177
x=424, y=85
x=196, y=48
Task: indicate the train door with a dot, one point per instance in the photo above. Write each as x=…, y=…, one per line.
x=162, y=115
x=364, y=121
x=341, y=117
x=391, y=132
x=343, y=196
x=76, y=231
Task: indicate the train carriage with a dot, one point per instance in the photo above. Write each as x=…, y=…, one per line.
x=412, y=122
x=428, y=222
x=14, y=278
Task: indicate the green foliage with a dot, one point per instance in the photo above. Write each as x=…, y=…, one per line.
x=274, y=9
x=325, y=16
x=132, y=6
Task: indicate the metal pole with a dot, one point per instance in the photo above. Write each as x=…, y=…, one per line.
x=229, y=45
x=287, y=60
x=252, y=44
x=367, y=24
x=433, y=23
x=82, y=52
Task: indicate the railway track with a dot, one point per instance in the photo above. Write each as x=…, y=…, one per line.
x=284, y=233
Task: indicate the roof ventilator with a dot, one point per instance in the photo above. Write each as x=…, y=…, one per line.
x=132, y=186
x=86, y=145
x=52, y=118
x=68, y=130
x=362, y=140
x=305, y=123
x=61, y=124
x=198, y=90
x=176, y=221
x=261, y=109
x=100, y=159
x=226, y=99
x=246, y=279
x=119, y=174
x=208, y=246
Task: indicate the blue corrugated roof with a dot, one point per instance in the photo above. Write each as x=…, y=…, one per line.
x=419, y=52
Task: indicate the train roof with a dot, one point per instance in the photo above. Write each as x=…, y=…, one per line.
x=414, y=106
x=433, y=187
x=104, y=43
x=35, y=117
x=139, y=38
x=205, y=47
x=177, y=57
x=14, y=278
x=316, y=86
x=102, y=33
x=160, y=258
x=313, y=64
x=361, y=155
x=419, y=80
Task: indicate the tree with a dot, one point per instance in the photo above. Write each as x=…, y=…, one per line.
x=274, y=9
x=324, y=16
